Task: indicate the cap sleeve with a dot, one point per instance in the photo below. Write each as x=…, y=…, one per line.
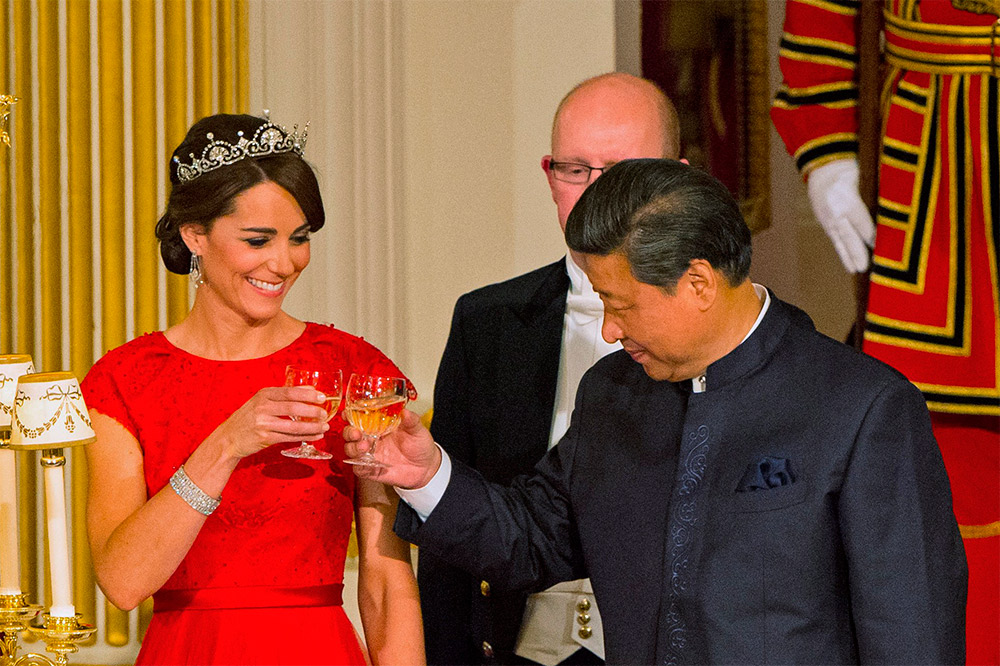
x=102, y=393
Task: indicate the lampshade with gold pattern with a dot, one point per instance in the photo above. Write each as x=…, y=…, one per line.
x=12, y=366
x=49, y=413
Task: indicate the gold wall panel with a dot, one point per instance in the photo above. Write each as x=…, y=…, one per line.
x=60, y=58
x=241, y=65
x=6, y=209
x=111, y=95
x=227, y=84
x=201, y=30
x=49, y=190
x=21, y=123
x=145, y=160
x=175, y=124
x=21, y=131
x=81, y=284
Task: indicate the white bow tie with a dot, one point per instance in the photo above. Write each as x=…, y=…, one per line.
x=584, y=309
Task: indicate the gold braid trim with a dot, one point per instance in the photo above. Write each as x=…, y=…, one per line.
x=980, y=531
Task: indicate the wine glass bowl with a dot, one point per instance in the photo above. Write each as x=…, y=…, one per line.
x=374, y=405
x=327, y=382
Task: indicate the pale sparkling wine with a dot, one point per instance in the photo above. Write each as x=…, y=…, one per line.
x=330, y=405
x=375, y=416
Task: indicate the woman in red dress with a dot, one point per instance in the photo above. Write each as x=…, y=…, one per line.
x=190, y=499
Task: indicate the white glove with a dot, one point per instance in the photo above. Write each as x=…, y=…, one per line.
x=836, y=201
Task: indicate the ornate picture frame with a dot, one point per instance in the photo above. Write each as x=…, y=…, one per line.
x=711, y=58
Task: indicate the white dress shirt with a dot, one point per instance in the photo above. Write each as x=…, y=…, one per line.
x=553, y=626
x=582, y=345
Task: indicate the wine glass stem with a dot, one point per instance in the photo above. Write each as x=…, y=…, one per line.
x=371, y=446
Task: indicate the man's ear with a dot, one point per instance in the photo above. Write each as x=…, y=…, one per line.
x=701, y=283
x=193, y=236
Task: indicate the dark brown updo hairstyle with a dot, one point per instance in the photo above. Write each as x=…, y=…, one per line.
x=211, y=195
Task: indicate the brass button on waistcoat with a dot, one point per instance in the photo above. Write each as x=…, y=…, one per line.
x=484, y=588
x=583, y=618
x=487, y=649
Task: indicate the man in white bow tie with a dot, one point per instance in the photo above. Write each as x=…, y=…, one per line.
x=507, y=383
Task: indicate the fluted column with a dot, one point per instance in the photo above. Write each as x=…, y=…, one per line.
x=175, y=123
x=6, y=207
x=146, y=165
x=21, y=126
x=81, y=283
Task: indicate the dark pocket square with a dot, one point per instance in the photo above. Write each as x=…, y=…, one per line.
x=767, y=473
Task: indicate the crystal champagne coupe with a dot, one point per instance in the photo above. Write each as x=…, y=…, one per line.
x=374, y=405
x=327, y=382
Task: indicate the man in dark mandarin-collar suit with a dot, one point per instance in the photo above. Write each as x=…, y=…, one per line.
x=505, y=385
x=740, y=488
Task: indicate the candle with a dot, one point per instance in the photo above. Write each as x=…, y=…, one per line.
x=55, y=519
x=49, y=414
x=10, y=572
x=12, y=366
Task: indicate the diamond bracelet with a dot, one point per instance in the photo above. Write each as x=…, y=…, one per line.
x=195, y=497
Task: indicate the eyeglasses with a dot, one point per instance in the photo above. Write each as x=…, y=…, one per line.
x=572, y=172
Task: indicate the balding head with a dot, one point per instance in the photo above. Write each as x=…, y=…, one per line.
x=604, y=120
x=626, y=100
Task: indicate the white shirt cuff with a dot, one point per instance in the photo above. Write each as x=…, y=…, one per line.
x=423, y=500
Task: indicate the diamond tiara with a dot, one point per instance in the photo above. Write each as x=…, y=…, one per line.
x=269, y=139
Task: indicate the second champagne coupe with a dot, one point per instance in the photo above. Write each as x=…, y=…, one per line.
x=327, y=382
x=374, y=405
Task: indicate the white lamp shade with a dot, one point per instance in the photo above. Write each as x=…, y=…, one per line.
x=49, y=413
x=12, y=366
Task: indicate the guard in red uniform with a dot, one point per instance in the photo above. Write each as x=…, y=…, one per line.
x=933, y=310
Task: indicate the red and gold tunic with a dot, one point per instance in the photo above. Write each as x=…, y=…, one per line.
x=933, y=304
x=933, y=309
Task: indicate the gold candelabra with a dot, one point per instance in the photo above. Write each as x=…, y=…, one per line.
x=6, y=101
x=62, y=635
x=60, y=629
x=44, y=412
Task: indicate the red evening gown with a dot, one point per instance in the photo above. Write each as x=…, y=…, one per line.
x=262, y=582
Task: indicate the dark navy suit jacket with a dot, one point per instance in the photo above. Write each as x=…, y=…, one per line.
x=493, y=402
x=857, y=560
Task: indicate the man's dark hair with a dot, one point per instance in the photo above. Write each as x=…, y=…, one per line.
x=661, y=215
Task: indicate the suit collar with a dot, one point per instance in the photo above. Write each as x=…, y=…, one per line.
x=757, y=348
x=550, y=293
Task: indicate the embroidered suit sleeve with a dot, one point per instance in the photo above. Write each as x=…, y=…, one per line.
x=906, y=561
x=521, y=535
x=815, y=109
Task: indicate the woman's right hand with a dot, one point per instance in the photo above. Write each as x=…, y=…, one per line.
x=272, y=415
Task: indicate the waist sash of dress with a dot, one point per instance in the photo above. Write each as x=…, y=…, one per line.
x=218, y=598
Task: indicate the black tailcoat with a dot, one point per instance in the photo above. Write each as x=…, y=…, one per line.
x=493, y=403
x=855, y=557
